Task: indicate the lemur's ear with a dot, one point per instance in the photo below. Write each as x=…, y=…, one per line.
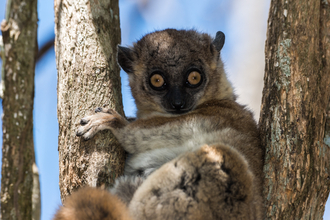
x=219, y=41
x=125, y=58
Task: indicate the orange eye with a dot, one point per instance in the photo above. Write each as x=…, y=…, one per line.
x=157, y=80
x=194, y=78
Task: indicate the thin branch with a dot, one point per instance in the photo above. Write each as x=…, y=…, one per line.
x=3, y=58
x=44, y=49
x=8, y=9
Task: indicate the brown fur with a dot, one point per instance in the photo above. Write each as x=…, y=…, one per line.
x=90, y=203
x=231, y=115
x=204, y=184
x=245, y=146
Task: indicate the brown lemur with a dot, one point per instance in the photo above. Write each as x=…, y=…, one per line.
x=194, y=152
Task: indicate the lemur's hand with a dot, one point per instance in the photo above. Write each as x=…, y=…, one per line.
x=103, y=119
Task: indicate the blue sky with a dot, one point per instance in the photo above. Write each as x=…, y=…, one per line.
x=234, y=18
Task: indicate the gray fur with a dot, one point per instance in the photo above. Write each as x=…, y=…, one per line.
x=125, y=187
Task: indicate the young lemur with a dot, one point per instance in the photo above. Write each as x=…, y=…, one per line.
x=194, y=151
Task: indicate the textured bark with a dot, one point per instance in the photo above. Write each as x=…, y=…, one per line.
x=294, y=106
x=36, y=197
x=19, y=33
x=87, y=33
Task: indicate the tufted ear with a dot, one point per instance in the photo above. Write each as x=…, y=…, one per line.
x=219, y=40
x=125, y=58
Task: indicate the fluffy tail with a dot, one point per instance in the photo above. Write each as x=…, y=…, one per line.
x=91, y=203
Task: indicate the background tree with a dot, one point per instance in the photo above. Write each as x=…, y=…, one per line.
x=20, y=197
x=294, y=109
x=87, y=34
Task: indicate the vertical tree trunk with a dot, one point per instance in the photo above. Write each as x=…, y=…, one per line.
x=294, y=105
x=87, y=33
x=19, y=32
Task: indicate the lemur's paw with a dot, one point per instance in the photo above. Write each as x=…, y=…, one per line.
x=87, y=128
x=103, y=119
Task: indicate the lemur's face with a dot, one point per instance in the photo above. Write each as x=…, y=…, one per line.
x=171, y=72
x=176, y=91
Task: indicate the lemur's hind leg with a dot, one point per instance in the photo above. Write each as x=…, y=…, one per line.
x=213, y=182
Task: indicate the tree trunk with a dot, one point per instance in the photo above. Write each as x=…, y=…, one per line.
x=294, y=106
x=87, y=33
x=19, y=32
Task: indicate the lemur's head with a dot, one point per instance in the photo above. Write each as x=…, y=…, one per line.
x=173, y=71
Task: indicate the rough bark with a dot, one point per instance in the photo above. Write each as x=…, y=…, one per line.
x=19, y=32
x=36, y=197
x=294, y=106
x=87, y=33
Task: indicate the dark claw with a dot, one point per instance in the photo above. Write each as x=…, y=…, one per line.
x=99, y=109
x=79, y=134
x=83, y=121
